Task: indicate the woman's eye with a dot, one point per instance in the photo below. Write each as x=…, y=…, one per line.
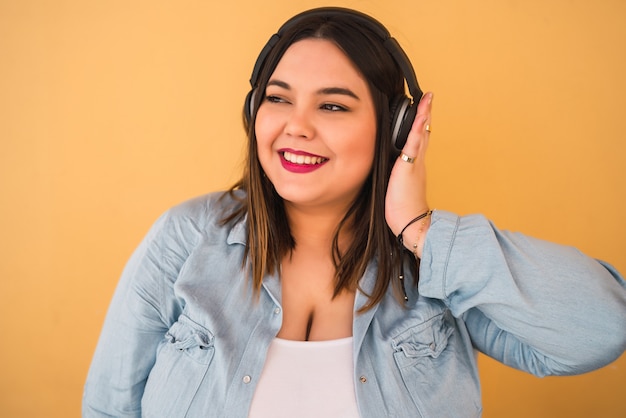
x=333, y=107
x=274, y=99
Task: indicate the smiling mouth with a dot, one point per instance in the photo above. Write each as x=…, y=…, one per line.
x=303, y=159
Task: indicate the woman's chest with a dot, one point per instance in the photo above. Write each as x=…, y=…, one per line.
x=408, y=362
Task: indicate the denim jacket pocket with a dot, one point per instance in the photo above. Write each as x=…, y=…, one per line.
x=424, y=340
x=429, y=357
x=182, y=361
x=191, y=339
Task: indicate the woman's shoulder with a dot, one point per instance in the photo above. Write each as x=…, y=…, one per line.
x=204, y=208
x=195, y=217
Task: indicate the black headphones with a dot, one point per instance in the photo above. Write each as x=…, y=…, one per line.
x=403, y=108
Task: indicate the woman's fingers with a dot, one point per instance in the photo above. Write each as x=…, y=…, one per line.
x=406, y=194
x=417, y=140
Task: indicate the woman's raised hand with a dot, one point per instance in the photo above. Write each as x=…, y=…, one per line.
x=406, y=193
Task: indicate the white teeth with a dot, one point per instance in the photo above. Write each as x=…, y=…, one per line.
x=302, y=159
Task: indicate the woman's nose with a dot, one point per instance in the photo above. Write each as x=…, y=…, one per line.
x=299, y=123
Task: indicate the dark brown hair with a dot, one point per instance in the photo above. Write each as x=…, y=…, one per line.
x=269, y=236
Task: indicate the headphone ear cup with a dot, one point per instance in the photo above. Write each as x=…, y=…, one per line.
x=403, y=115
x=248, y=106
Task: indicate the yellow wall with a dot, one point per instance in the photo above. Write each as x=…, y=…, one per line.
x=112, y=111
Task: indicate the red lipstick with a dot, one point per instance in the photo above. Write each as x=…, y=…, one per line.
x=300, y=162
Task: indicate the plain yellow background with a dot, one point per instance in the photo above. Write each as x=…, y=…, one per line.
x=113, y=111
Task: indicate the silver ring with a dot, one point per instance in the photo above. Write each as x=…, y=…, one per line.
x=406, y=158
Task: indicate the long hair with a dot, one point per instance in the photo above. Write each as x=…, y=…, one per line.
x=269, y=236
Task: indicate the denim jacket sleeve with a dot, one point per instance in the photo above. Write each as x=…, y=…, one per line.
x=142, y=310
x=533, y=305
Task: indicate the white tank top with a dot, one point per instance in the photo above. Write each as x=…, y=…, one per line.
x=306, y=379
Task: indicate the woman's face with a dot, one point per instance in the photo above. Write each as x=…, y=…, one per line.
x=316, y=127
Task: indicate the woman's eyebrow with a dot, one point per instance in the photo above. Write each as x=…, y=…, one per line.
x=279, y=83
x=338, y=90
x=322, y=91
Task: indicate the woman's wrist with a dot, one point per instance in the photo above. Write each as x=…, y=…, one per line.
x=413, y=235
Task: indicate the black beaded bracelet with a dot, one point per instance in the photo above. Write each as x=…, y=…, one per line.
x=401, y=244
x=411, y=222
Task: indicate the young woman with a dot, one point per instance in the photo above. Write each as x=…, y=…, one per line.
x=322, y=284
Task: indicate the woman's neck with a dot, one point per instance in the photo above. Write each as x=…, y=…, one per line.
x=313, y=228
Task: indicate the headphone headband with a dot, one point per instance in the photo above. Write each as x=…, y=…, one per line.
x=322, y=12
x=390, y=43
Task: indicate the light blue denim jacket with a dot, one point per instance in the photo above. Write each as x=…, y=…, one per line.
x=185, y=335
